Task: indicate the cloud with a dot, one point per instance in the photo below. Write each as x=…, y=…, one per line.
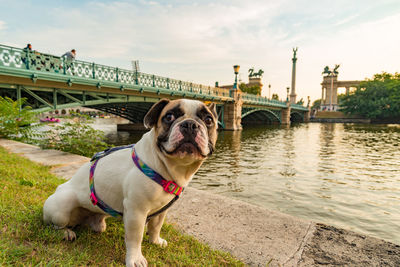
x=2, y=25
x=200, y=42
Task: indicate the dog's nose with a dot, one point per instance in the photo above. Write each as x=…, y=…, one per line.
x=189, y=127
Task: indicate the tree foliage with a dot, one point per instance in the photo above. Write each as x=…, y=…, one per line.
x=255, y=89
x=75, y=137
x=316, y=104
x=377, y=98
x=16, y=120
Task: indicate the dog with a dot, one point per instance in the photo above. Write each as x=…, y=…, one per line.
x=182, y=135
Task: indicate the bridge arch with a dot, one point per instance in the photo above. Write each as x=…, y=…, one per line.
x=296, y=117
x=260, y=116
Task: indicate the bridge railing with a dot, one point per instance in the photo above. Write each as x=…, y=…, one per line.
x=261, y=100
x=299, y=107
x=37, y=61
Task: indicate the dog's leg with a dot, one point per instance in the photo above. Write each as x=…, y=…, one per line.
x=97, y=222
x=57, y=210
x=154, y=228
x=134, y=223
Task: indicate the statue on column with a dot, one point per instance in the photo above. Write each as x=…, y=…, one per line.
x=329, y=72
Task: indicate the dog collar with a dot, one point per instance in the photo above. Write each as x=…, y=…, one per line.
x=168, y=186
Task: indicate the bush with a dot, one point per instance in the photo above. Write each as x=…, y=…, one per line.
x=17, y=121
x=75, y=137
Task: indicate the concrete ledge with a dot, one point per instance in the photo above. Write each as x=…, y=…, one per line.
x=340, y=120
x=256, y=235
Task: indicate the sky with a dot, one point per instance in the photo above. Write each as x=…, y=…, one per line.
x=200, y=41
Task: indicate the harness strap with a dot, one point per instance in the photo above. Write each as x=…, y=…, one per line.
x=168, y=186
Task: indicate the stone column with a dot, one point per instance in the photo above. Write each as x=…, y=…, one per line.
x=307, y=115
x=293, y=92
x=233, y=112
x=285, y=114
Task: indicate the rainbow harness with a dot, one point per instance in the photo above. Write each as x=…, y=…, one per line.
x=168, y=186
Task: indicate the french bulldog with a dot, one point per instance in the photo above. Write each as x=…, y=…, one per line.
x=182, y=135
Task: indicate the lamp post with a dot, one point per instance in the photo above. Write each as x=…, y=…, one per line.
x=236, y=71
x=269, y=91
x=287, y=95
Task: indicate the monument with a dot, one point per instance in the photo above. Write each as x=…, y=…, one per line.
x=293, y=92
x=330, y=85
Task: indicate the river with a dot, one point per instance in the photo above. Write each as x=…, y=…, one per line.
x=347, y=175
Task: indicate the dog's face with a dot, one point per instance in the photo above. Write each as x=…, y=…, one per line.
x=184, y=129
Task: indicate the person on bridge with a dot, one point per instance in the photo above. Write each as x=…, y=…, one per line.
x=27, y=49
x=69, y=60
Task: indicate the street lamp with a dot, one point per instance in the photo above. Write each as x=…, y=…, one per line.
x=269, y=91
x=236, y=71
x=287, y=95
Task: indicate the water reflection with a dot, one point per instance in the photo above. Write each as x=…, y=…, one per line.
x=347, y=175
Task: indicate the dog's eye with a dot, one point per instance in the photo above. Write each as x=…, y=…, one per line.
x=208, y=120
x=169, y=117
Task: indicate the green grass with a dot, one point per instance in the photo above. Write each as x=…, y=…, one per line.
x=25, y=240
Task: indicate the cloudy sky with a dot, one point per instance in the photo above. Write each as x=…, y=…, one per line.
x=200, y=41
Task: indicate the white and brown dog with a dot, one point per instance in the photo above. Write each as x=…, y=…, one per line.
x=183, y=133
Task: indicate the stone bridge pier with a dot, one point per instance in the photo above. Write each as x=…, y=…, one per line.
x=285, y=114
x=233, y=111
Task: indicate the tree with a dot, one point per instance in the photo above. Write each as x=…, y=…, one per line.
x=316, y=104
x=275, y=97
x=16, y=120
x=255, y=89
x=377, y=98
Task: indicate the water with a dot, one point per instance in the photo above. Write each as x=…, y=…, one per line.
x=346, y=175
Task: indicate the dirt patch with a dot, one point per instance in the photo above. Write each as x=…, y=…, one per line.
x=331, y=246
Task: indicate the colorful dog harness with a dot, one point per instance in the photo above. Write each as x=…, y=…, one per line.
x=168, y=186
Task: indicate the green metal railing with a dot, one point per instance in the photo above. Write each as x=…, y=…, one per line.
x=21, y=59
x=260, y=100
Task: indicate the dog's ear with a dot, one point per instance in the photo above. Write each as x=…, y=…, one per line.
x=213, y=108
x=152, y=115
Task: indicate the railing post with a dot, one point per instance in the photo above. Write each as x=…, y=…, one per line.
x=93, y=71
x=116, y=74
x=167, y=83
x=64, y=67
x=191, y=87
x=180, y=85
x=154, y=80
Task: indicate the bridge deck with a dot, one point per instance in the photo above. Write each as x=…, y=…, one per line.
x=36, y=69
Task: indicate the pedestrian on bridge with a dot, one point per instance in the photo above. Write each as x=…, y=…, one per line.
x=69, y=58
x=27, y=49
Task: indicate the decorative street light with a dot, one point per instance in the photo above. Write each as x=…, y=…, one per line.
x=235, y=85
x=269, y=91
x=287, y=95
x=236, y=70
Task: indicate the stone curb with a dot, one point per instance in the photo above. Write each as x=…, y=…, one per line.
x=253, y=234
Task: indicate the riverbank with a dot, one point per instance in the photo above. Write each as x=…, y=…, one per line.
x=253, y=234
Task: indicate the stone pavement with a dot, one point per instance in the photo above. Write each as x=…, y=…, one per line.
x=253, y=234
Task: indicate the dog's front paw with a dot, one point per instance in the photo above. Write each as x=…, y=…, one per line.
x=159, y=241
x=138, y=261
x=69, y=235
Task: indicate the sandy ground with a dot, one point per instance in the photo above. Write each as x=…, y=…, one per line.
x=253, y=234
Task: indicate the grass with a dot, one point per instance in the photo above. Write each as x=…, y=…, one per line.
x=25, y=240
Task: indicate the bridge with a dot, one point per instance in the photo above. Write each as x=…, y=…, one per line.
x=50, y=82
